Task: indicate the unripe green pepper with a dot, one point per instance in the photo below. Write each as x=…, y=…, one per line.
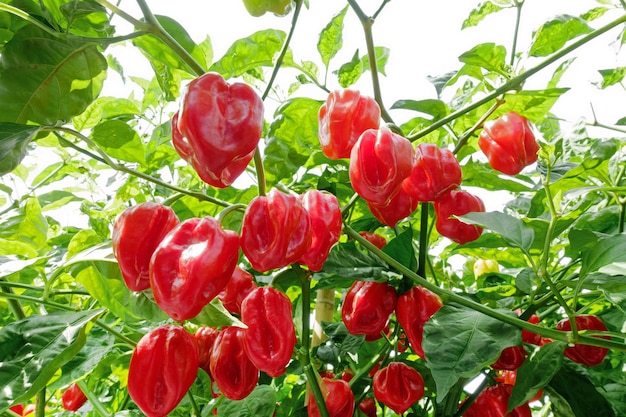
x=260, y=7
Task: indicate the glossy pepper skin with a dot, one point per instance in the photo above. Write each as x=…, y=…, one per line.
x=325, y=213
x=73, y=398
x=162, y=368
x=276, y=231
x=344, y=116
x=585, y=354
x=398, y=386
x=367, y=307
x=379, y=162
x=435, y=173
x=338, y=397
x=192, y=265
x=509, y=143
x=399, y=206
x=511, y=358
x=270, y=338
x=458, y=203
x=218, y=128
x=137, y=232
x=233, y=373
x=205, y=338
x=415, y=307
x=494, y=401
x=368, y=407
x=240, y=284
x=258, y=8
x=375, y=239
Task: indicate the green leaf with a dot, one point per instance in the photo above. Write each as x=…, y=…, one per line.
x=612, y=76
x=533, y=104
x=514, y=231
x=489, y=56
x=593, y=14
x=553, y=35
x=482, y=175
x=105, y=108
x=612, y=282
x=478, y=14
x=331, y=37
x=607, y=251
x=436, y=108
x=119, y=140
x=11, y=264
x=215, y=315
x=33, y=349
x=260, y=403
x=459, y=341
x=292, y=137
x=14, y=139
x=536, y=372
x=29, y=226
x=249, y=53
x=401, y=249
x=45, y=80
x=350, y=72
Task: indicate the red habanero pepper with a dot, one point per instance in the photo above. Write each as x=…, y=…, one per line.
x=458, y=203
x=368, y=407
x=530, y=337
x=240, y=284
x=399, y=206
x=338, y=397
x=326, y=224
x=510, y=358
x=276, y=231
x=379, y=162
x=494, y=402
x=509, y=143
x=192, y=265
x=367, y=307
x=345, y=115
x=218, y=128
x=205, y=337
x=510, y=377
x=398, y=386
x=162, y=368
x=233, y=372
x=415, y=307
x=73, y=398
x=585, y=354
x=435, y=173
x=136, y=234
x=270, y=338
x=375, y=239
x=17, y=409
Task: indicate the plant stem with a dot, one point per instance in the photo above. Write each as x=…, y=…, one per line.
x=463, y=140
x=13, y=296
x=516, y=82
x=14, y=304
x=518, y=17
x=93, y=399
x=115, y=333
x=40, y=403
x=423, y=248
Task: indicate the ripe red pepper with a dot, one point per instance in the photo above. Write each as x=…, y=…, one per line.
x=585, y=354
x=509, y=143
x=368, y=407
x=276, y=231
x=338, y=397
x=375, y=239
x=415, y=307
x=205, y=337
x=136, y=234
x=494, y=402
x=17, y=409
x=458, y=203
x=530, y=337
x=398, y=386
x=218, y=128
x=326, y=224
x=510, y=377
x=192, y=265
x=511, y=358
x=367, y=307
x=240, y=284
x=233, y=372
x=399, y=206
x=270, y=337
x=435, y=173
x=162, y=368
x=345, y=115
x=379, y=162
x=73, y=398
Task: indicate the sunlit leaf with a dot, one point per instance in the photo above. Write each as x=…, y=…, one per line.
x=479, y=13
x=553, y=35
x=14, y=139
x=331, y=38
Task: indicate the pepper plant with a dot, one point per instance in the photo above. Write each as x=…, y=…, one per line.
x=261, y=233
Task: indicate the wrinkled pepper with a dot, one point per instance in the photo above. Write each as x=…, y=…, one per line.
x=398, y=386
x=399, y=206
x=458, y=203
x=367, y=307
x=494, y=402
x=325, y=213
x=240, y=284
x=205, y=338
x=585, y=354
x=338, y=397
x=415, y=307
x=510, y=358
x=435, y=173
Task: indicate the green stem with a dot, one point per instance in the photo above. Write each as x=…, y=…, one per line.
x=450, y=296
x=13, y=296
x=518, y=18
x=115, y=333
x=14, y=305
x=515, y=83
x=93, y=399
x=228, y=210
x=423, y=248
x=194, y=404
x=380, y=8
x=40, y=403
x=121, y=13
x=349, y=205
x=463, y=140
x=260, y=172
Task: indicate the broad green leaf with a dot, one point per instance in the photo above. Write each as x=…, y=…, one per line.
x=612, y=76
x=29, y=226
x=553, y=35
x=344, y=340
x=292, y=137
x=249, y=53
x=82, y=240
x=215, y=315
x=105, y=108
x=458, y=342
x=11, y=264
x=559, y=72
x=350, y=72
x=482, y=175
x=435, y=108
x=56, y=199
x=489, y=56
x=536, y=372
x=14, y=139
x=119, y=140
x=533, y=104
x=607, y=251
x=605, y=220
x=579, y=391
x=611, y=281
x=479, y=13
x=80, y=17
x=594, y=13
x=46, y=80
x=514, y=231
x=401, y=249
x=614, y=392
x=260, y=403
x=331, y=38
x=33, y=349
x=13, y=247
